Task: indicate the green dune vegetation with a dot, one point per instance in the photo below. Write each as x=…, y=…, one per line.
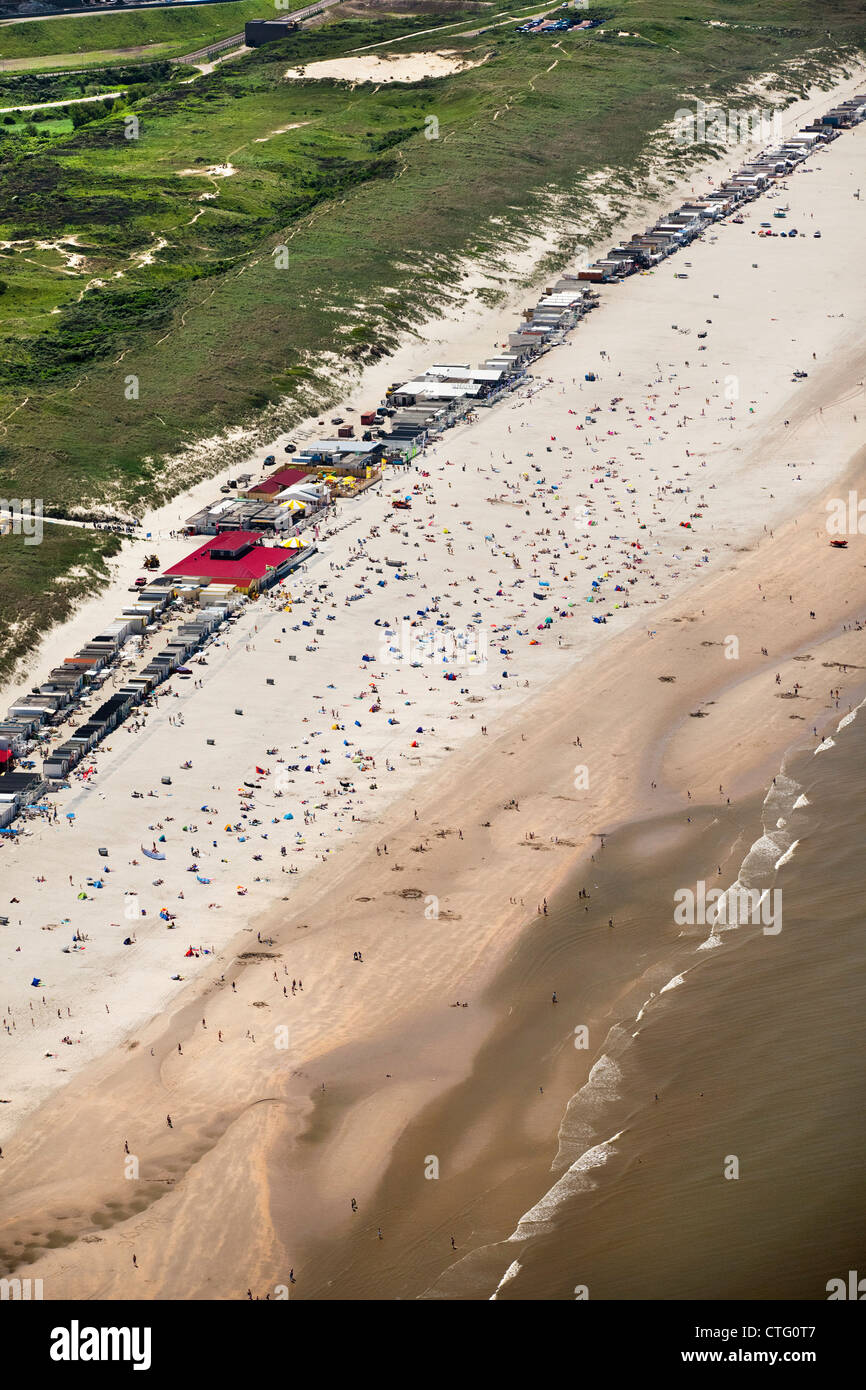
x=105, y=37
x=145, y=301
x=41, y=584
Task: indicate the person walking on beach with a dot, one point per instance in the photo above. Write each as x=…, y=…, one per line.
x=168, y=1122
x=554, y=999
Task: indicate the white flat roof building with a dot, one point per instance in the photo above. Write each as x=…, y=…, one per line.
x=440, y=390
x=342, y=446
x=449, y=390
x=462, y=373
x=561, y=299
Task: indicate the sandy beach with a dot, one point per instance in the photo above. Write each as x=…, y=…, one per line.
x=356, y=856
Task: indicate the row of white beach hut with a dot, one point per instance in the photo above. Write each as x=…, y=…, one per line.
x=676, y=229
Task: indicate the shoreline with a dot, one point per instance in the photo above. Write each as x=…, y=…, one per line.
x=749, y=785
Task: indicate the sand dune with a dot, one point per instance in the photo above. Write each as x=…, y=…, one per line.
x=369, y=67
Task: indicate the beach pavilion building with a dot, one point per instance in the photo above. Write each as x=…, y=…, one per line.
x=237, y=558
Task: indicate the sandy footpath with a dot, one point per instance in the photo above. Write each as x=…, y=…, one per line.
x=571, y=492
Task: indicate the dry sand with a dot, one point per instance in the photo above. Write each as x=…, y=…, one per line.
x=248, y=1196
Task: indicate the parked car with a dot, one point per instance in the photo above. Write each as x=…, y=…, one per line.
x=270, y=461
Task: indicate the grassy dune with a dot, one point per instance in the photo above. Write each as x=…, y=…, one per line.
x=41, y=584
x=176, y=31
x=95, y=58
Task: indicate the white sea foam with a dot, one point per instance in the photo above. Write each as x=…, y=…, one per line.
x=672, y=984
x=848, y=719
x=822, y=747
x=788, y=855
x=770, y=851
x=726, y=911
x=585, y=1110
x=758, y=863
x=643, y=1008
x=760, y=858
x=781, y=786
x=538, y=1220
x=511, y=1272
x=801, y=802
